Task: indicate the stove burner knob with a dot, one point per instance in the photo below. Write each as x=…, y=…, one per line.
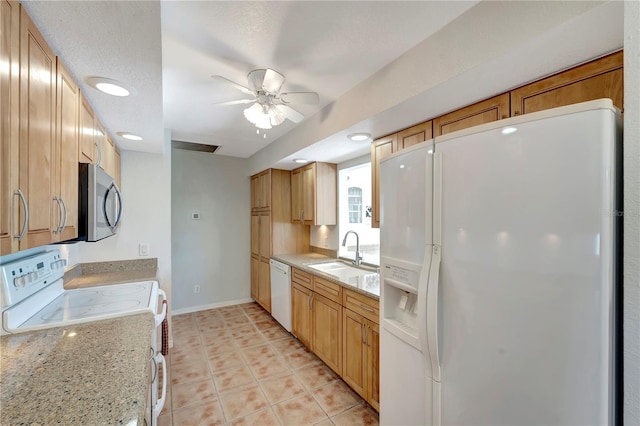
x=19, y=282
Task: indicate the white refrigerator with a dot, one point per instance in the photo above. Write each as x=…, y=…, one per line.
x=499, y=267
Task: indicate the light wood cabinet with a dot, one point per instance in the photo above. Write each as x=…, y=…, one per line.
x=486, y=111
x=313, y=194
x=362, y=367
x=37, y=134
x=414, y=135
x=261, y=253
x=271, y=229
x=597, y=79
x=326, y=320
x=301, y=313
x=317, y=320
x=87, y=152
x=9, y=124
x=380, y=149
x=66, y=179
x=261, y=190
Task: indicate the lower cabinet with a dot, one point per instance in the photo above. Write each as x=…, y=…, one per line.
x=361, y=366
x=346, y=341
x=301, y=313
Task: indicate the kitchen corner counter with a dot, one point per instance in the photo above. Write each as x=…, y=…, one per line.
x=300, y=261
x=99, y=375
x=113, y=272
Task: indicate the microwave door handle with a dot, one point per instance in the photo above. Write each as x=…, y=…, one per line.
x=120, y=205
x=104, y=207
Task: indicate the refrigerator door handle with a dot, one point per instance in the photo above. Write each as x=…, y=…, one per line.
x=423, y=285
x=432, y=313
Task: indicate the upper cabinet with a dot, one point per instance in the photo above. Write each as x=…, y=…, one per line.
x=46, y=128
x=9, y=124
x=486, y=111
x=597, y=79
x=261, y=191
x=414, y=135
x=313, y=194
x=66, y=177
x=380, y=148
x=37, y=136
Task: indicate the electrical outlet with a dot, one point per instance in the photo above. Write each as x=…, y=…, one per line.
x=143, y=249
x=196, y=289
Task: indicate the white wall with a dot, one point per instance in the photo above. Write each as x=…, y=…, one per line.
x=212, y=252
x=631, y=266
x=146, y=192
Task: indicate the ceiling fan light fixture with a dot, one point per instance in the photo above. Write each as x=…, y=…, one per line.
x=276, y=116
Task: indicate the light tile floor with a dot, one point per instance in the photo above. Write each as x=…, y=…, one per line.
x=236, y=366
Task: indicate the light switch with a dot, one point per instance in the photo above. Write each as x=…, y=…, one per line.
x=143, y=249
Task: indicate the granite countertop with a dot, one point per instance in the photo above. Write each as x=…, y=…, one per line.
x=368, y=285
x=99, y=375
x=112, y=272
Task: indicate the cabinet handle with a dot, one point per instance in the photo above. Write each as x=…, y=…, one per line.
x=99, y=151
x=64, y=224
x=367, y=308
x=26, y=214
x=57, y=200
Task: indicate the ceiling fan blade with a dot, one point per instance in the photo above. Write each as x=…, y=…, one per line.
x=236, y=102
x=308, y=98
x=291, y=113
x=233, y=84
x=272, y=81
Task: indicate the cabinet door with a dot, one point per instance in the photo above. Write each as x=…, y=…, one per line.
x=372, y=340
x=264, y=183
x=67, y=153
x=255, y=234
x=301, y=313
x=87, y=145
x=308, y=195
x=100, y=139
x=255, y=192
x=37, y=133
x=486, y=111
x=601, y=78
x=264, y=285
x=414, y=135
x=327, y=331
x=118, y=167
x=354, y=369
x=255, y=276
x=296, y=196
x=9, y=124
x=380, y=149
x=265, y=236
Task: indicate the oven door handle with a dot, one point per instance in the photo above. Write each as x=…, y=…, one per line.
x=160, y=403
x=163, y=314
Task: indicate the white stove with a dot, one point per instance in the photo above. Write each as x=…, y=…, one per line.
x=33, y=298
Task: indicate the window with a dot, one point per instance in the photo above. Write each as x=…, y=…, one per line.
x=355, y=204
x=354, y=213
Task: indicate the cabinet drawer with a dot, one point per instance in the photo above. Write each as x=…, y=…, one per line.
x=328, y=289
x=363, y=305
x=302, y=278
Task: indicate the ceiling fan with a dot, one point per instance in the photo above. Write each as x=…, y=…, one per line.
x=270, y=107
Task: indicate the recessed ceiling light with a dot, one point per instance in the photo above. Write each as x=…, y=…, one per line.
x=300, y=160
x=509, y=130
x=110, y=86
x=130, y=136
x=359, y=137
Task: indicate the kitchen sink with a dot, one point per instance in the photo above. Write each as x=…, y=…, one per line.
x=340, y=270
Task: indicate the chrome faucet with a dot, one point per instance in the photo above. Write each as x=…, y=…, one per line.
x=358, y=258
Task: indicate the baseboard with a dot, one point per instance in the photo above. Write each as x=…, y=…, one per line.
x=175, y=312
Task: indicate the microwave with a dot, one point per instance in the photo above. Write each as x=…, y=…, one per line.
x=99, y=204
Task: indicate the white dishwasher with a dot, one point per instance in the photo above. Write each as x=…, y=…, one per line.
x=281, y=293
